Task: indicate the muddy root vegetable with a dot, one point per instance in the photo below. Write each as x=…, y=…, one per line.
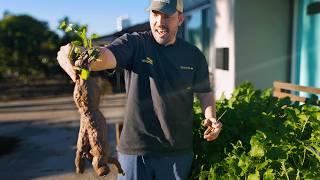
x=92, y=139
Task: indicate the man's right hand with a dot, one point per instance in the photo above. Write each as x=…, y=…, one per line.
x=65, y=62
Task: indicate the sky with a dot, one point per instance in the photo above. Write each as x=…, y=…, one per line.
x=99, y=15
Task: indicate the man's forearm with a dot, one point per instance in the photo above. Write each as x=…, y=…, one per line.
x=106, y=60
x=208, y=106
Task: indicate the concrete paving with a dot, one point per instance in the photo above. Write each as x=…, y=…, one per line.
x=47, y=131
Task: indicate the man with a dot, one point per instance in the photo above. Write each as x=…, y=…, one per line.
x=162, y=73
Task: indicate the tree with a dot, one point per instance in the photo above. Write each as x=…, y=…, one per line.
x=27, y=47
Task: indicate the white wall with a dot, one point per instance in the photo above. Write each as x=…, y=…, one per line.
x=224, y=38
x=262, y=41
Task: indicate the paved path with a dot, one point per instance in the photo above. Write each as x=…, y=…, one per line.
x=47, y=130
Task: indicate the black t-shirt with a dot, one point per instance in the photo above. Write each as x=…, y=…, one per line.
x=160, y=83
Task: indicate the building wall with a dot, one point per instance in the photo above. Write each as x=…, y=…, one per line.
x=224, y=78
x=209, y=25
x=262, y=41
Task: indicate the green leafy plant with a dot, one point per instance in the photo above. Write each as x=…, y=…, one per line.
x=82, y=50
x=262, y=138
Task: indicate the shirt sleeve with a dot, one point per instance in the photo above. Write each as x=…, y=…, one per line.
x=124, y=48
x=201, y=83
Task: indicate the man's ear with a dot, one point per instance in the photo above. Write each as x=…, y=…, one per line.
x=181, y=18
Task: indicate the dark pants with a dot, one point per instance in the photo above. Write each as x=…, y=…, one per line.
x=155, y=167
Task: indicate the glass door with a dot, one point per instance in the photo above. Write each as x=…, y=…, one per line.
x=307, y=67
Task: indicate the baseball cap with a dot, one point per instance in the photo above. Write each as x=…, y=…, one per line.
x=166, y=6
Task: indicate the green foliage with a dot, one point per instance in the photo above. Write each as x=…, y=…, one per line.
x=262, y=138
x=27, y=47
x=83, y=46
x=68, y=36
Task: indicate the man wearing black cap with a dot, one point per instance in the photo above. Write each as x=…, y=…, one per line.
x=162, y=73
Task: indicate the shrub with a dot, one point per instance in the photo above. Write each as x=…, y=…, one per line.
x=262, y=138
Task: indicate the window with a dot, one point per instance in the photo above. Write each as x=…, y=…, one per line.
x=197, y=30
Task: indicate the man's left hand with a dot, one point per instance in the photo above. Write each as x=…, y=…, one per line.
x=213, y=129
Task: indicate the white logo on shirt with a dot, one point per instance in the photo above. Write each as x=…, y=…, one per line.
x=163, y=1
x=186, y=68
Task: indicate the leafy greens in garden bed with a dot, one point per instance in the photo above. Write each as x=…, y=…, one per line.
x=262, y=138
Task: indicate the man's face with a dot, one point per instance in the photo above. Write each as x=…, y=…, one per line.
x=164, y=27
